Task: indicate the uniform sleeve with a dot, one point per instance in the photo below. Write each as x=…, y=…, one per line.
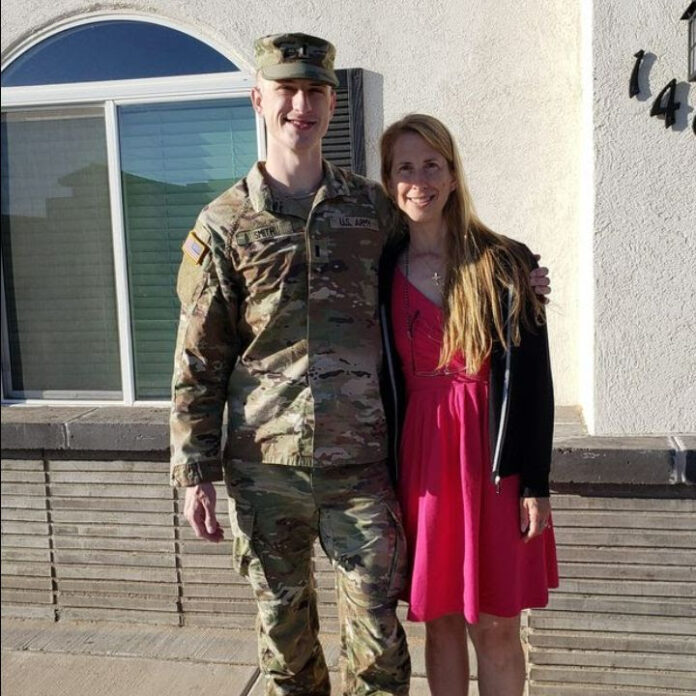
x=206, y=350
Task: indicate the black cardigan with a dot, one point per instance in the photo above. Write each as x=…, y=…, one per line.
x=522, y=423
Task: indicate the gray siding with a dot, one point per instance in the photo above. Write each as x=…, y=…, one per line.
x=106, y=540
x=623, y=620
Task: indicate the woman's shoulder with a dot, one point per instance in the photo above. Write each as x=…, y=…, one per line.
x=518, y=249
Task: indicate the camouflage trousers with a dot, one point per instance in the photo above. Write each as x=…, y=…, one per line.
x=277, y=513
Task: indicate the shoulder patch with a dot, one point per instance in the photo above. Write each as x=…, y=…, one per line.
x=195, y=248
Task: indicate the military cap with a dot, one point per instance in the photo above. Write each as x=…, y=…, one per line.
x=296, y=56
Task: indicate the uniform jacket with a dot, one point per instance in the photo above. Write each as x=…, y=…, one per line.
x=279, y=322
x=520, y=393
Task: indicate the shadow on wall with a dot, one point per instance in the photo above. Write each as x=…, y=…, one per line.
x=683, y=116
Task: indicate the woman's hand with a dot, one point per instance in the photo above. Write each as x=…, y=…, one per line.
x=535, y=516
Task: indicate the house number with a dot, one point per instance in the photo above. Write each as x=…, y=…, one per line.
x=665, y=103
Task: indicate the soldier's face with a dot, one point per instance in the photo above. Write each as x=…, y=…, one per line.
x=296, y=112
x=420, y=180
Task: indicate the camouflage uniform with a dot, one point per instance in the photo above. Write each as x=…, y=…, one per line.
x=276, y=513
x=279, y=320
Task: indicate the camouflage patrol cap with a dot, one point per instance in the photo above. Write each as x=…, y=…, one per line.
x=296, y=56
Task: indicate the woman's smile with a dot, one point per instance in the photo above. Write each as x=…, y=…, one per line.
x=422, y=200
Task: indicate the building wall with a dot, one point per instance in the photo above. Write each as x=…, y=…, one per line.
x=504, y=76
x=644, y=225
x=556, y=153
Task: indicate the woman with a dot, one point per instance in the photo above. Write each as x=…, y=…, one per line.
x=471, y=400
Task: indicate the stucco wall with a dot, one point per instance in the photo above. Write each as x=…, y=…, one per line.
x=645, y=224
x=504, y=76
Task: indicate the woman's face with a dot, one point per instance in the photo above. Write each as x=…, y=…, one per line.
x=420, y=179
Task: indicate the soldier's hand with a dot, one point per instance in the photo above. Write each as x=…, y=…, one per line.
x=199, y=510
x=540, y=281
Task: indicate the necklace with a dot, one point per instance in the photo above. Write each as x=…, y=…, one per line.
x=435, y=275
x=424, y=327
x=436, y=278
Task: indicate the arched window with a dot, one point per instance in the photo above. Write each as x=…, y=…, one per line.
x=114, y=50
x=114, y=135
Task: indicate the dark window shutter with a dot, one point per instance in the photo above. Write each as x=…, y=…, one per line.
x=344, y=143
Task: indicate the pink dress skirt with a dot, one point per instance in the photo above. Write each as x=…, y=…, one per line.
x=465, y=546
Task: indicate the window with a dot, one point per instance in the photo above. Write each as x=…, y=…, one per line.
x=175, y=158
x=56, y=249
x=114, y=135
x=113, y=50
x=109, y=149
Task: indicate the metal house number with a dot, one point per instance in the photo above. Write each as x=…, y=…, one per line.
x=665, y=103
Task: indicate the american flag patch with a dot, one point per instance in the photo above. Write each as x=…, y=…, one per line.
x=194, y=248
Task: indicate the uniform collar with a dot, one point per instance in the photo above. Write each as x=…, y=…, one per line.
x=333, y=184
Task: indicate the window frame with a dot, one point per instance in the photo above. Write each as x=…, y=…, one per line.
x=110, y=95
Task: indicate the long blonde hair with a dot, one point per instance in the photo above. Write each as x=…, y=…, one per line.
x=480, y=263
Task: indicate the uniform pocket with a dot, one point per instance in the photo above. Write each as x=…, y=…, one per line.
x=242, y=519
x=367, y=544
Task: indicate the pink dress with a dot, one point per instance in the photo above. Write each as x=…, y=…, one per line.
x=465, y=547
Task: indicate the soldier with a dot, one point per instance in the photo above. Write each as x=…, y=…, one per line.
x=278, y=290
x=279, y=282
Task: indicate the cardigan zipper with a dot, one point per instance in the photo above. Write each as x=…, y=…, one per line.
x=505, y=403
x=392, y=383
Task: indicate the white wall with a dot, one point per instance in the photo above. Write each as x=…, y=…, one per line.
x=504, y=76
x=645, y=225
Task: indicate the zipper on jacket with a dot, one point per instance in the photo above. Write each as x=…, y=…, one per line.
x=505, y=404
x=392, y=381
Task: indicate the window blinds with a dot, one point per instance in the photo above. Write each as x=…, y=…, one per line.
x=175, y=158
x=61, y=326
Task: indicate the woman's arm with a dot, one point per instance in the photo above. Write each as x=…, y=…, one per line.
x=535, y=409
x=534, y=366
